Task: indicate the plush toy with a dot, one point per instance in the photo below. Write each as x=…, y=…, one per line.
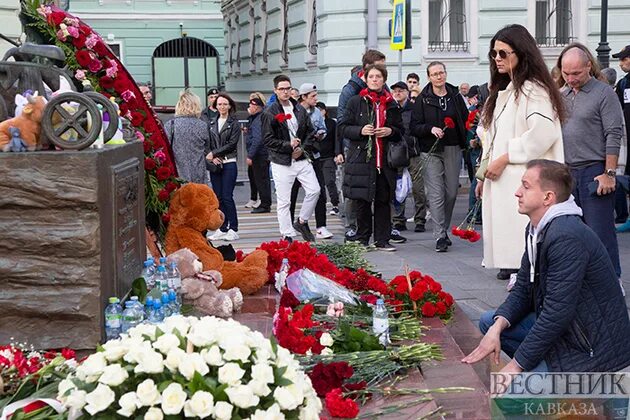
x=194, y=209
x=201, y=289
x=16, y=144
x=28, y=122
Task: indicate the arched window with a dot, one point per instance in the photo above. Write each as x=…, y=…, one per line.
x=184, y=63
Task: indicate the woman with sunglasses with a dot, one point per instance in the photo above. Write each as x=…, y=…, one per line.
x=521, y=120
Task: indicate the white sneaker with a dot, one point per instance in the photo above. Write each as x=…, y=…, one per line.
x=410, y=220
x=251, y=204
x=323, y=233
x=217, y=235
x=230, y=236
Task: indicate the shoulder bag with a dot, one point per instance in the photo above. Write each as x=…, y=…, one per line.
x=398, y=154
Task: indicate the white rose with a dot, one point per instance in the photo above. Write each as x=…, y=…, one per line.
x=230, y=374
x=327, y=351
x=259, y=388
x=150, y=362
x=285, y=398
x=92, y=367
x=166, y=342
x=174, y=358
x=176, y=322
x=263, y=373
x=262, y=355
x=213, y=356
x=99, y=399
x=76, y=400
x=283, y=357
x=326, y=340
x=154, y=413
x=201, y=404
x=242, y=396
x=114, y=350
x=173, y=399
x=141, y=330
x=311, y=410
x=63, y=387
x=192, y=363
x=113, y=375
x=128, y=403
x=223, y=410
x=272, y=413
x=148, y=393
x=237, y=352
x=137, y=348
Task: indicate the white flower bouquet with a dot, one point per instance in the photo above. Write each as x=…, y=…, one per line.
x=190, y=368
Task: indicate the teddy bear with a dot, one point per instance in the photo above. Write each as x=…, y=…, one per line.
x=28, y=123
x=201, y=289
x=194, y=208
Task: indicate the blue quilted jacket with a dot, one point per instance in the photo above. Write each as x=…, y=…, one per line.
x=582, y=322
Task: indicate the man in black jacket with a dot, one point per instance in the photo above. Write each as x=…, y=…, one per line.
x=566, y=312
x=257, y=155
x=210, y=112
x=289, y=136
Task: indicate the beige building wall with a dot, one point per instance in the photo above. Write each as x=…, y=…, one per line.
x=11, y=26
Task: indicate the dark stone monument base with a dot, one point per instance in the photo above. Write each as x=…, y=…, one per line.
x=71, y=235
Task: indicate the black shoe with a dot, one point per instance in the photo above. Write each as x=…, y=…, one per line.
x=396, y=238
x=288, y=239
x=448, y=241
x=504, y=274
x=260, y=209
x=441, y=245
x=620, y=220
x=384, y=246
x=304, y=231
x=400, y=227
x=419, y=228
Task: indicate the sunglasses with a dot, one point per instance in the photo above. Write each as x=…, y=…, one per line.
x=501, y=53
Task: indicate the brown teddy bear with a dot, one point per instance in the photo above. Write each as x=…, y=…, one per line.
x=194, y=209
x=201, y=289
x=28, y=122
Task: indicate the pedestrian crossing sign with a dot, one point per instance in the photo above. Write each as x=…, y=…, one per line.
x=398, y=30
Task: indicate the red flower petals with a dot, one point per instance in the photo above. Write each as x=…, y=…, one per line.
x=449, y=123
x=338, y=406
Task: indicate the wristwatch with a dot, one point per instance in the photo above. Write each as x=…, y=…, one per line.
x=611, y=173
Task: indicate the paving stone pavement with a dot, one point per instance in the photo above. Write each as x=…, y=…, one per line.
x=475, y=288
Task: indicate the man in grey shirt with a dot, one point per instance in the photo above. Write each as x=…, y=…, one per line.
x=592, y=137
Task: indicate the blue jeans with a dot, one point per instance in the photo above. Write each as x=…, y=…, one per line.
x=599, y=210
x=511, y=338
x=223, y=184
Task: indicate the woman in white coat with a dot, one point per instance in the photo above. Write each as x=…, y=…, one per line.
x=521, y=118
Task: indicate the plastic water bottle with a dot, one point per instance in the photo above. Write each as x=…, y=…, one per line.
x=175, y=306
x=166, y=305
x=157, y=315
x=282, y=274
x=138, y=307
x=152, y=261
x=160, y=283
x=148, y=307
x=113, y=318
x=147, y=273
x=130, y=316
x=174, y=277
x=380, y=322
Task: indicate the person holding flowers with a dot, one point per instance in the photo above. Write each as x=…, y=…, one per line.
x=437, y=120
x=521, y=120
x=372, y=120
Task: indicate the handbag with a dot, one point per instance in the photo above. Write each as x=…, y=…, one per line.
x=398, y=155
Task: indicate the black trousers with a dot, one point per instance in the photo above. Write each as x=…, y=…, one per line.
x=329, y=167
x=253, y=190
x=382, y=213
x=260, y=171
x=320, y=207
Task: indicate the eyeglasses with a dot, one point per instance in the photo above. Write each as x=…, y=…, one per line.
x=501, y=53
x=284, y=89
x=439, y=74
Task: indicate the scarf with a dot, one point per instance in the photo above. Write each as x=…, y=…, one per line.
x=377, y=101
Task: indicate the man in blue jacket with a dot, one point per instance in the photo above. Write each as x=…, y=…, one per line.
x=566, y=312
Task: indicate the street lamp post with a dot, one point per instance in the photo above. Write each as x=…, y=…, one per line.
x=603, y=50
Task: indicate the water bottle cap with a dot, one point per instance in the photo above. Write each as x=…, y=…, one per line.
x=150, y=258
x=161, y=269
x=165, y=298
x=134, y=298
x=113, y=299
x=149, y=300
x=380, y=301
x=162, y=260
x=173, y=264
x=147, y=264
x=285, y=260
x=128, y=304
x=157, y=304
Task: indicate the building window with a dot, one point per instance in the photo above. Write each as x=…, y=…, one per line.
x=116, y=48
x=554, y=23
x=447, y=26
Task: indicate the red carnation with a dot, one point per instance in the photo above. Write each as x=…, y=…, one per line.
x=338, y=406
x=136, y=118
x=68, y=353
x=163, y=173
x=449, y=123
x=163, y=195
x=84, y=29
x=440, y=308
x=170, y=186
x=79, y=42
x=83, y=58
x=446, y=298
x=166, y=217
x=148, y=146
x=475, y=236
x=101, y=49
x=121, y=84
x=149, y=164
x=418, y=291
x=288, y=299
x=106, y=82
x=56, y=17
x=282, y=117
x=428, y=309
x=149, y=125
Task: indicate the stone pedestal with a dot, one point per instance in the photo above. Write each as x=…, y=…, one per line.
x=71, y=235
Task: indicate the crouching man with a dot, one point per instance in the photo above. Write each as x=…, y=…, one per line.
x=566, y=312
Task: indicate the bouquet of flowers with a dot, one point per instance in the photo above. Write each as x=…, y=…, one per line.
x=423, y=294
x=207, y=368
x=466, y=229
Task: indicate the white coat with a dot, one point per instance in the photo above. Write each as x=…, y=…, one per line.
x=526, y=129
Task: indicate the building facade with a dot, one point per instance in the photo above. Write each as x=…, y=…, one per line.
x=11, y=27
x=319, y=41
x=171, y=44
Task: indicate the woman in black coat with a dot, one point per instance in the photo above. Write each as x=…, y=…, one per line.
x=225, y=132
x=372, y=120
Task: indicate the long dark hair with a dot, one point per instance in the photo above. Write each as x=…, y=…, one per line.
x=531, y=66
x=230, y=101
